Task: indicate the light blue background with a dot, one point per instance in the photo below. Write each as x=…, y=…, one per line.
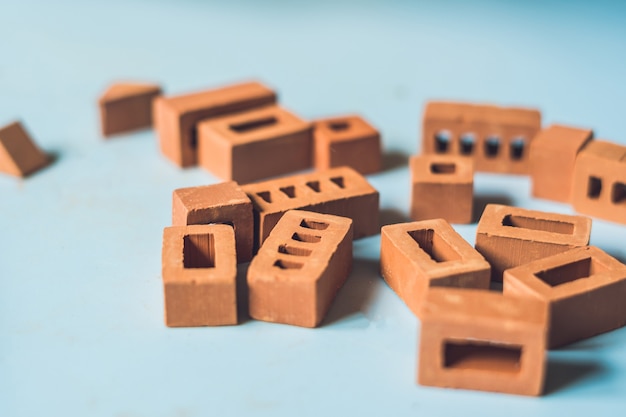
x=81, y=329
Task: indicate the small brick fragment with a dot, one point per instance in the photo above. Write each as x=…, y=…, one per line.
x=19, y=154
x=125, y=107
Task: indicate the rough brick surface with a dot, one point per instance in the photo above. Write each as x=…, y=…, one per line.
x=125, y=107
x=19, y=155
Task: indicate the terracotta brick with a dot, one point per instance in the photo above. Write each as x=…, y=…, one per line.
x=347, y=141
x=300, y=267
x=176, y=117
x=599, y=184
x=19, y=154
x=199, y=275
x=584, y=290
x=255, y=145
x=511, y=236
x=339, y=191
x=125, y=107
x=497, y=138
x=442, y=187
x=217, y=203
x=417, y=256
x=482, y=340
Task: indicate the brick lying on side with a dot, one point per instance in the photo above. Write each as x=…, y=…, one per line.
x=300, y=267
x=19, y=154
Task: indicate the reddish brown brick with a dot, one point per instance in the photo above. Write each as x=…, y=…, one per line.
x=19, y=154
x=125, y=107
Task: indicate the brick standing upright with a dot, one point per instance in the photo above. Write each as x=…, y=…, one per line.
x=125, y=107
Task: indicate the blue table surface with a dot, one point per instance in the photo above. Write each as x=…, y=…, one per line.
x=81, y=305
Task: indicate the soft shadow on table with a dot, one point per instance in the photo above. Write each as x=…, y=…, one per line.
x=392, y=216
x=393, y=159
x=242, y=293
x=481, y=201
x=561, y=373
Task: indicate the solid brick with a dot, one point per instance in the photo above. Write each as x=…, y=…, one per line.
x=584, y=290
x=255, y=145
x=415, y=257
x=176, y=117
x=347, y=141
x=125, y=107
x=497, y=138
x=482, y=340
x=300, y=267
x=599, y=184
x=339, y=191
x=19, y=154
x=217, y=203
x=199, y=275
x=442, y=187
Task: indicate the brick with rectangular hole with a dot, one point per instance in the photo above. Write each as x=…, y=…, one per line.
x=482, y=340
x=255, y=145
x=199, y=275
x=19, y=154
x=599, y=185
x=584, y=290
x=217, y=203
x=552, y=156
x=176, y=117
x=339, y=191
x=126, y=106
x=442, y=187
x=347, y=141
x=496, y=137
x=417, y=256
x=511, y=236
x=300, y=267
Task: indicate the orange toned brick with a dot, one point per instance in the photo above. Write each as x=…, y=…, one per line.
x=496, y=138
x=511, y=236
x=199, y=275
x=482, y=340
x=347, y=141
x=255, y=145
x=125, y=107
x=218, y=203
x=19, y=154
x=584, y=290
x=415, y=257
x=442, y=187
x=176, y=117
x=300, y=267
x=339, y=191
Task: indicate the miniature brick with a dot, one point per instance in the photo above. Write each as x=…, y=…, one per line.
x=511, y=236
x=125, y=107
x=217, y=203
x=176, y=117
x=482, y=340
x=497, y=138
x=255, y=145
x=442, y=187
x=599, y=184
x=199, y=275
x=19, y=155
x=552, y=157
x=417, y=256
x=347, y=141
x=339, y=191
x=584, y=290
x=300, y=267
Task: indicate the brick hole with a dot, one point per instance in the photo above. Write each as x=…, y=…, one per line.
x=289, y=191
x=304, y=237
x=467, y=143
x=265, y=196
x=339, y=126
x=430, y=242
x=476, y=355
x=282, y=264
x=446, y=168
x=442, y=141
x=313, y=224
x=552, y=226
x=293, y=250
x=581, y=269
x=492, y=146
x=253, y=124
x=618, y=193
x=517, y=147
x=338, y=181
x=193, y=137
x=314, y=185
x=199, y=251
x=594, y=187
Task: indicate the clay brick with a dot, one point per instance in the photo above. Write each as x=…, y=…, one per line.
x=19, y=155
x=442, y=187
x=300, y=267
x=347, y=141
x=482, y=340
x=417, y=256
x=497, y=138
x=176, y=117
x=199, y=275
x=339, y=191
x=217, y=203
x=584, y=290
x=255, y=145
x=125, y=107
x=599, y=184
